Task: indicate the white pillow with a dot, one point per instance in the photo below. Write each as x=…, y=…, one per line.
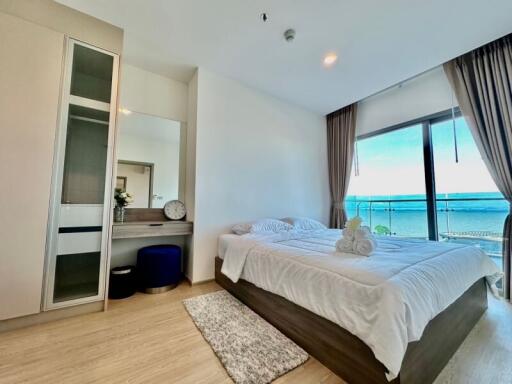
x=242, y=228
x=262, y=225
x=304, y=223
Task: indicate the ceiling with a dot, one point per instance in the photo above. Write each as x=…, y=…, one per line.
x=379, y=43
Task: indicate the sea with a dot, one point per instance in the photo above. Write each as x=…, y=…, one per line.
x=476, y=218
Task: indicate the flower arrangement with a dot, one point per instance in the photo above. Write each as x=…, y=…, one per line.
x=122, y=198
x=354, y=223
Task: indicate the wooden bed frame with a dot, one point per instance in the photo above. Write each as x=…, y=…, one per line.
x=348, y=356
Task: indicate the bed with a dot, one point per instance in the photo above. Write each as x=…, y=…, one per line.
x=396, y=316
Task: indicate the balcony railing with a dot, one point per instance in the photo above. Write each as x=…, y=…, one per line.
x=477, y=221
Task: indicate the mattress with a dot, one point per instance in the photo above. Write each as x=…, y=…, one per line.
x=386, y=299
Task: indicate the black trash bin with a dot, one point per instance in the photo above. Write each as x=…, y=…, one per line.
x=122, y=283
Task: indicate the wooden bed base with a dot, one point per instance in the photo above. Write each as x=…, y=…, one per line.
x=348, y=356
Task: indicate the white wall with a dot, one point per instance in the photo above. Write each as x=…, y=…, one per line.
x=424, y=95
x=256, y=156
x=152, y=94
x=125, y=250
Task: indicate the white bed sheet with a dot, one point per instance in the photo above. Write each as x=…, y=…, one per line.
x=386, y=299
x=224, y=243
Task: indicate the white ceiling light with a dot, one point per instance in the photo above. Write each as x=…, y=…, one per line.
x=330, y=59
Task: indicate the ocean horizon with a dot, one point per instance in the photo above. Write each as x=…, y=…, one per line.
x=463, y=212
x=457, y=201
x=456, y=216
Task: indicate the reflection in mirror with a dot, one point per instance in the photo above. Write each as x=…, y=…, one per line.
x=148, y=155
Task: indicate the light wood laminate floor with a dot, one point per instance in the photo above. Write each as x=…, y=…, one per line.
x=142, y=339
x=151, y=339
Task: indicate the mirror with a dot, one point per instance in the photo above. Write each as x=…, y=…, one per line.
x=148, y=153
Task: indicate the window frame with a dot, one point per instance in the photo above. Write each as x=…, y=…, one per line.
x=428, y=158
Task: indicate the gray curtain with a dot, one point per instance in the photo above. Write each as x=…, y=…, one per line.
x=341, y=129
x=482, y=83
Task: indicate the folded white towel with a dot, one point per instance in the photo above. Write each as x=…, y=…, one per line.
x=345, y=245
x=365, y=247
x=348, y=233
x=363, y=233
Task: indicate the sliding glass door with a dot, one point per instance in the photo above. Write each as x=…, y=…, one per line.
x=470, y=209
x=427, y=180
x=387, y=188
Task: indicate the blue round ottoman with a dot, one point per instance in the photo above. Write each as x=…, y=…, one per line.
x=158, y=268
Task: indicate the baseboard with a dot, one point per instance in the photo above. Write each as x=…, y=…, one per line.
x=45, y=317
x=198, y=282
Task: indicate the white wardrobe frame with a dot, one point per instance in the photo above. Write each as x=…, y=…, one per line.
x=47, y=302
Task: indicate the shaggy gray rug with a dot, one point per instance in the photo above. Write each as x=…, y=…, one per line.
x=251, y=350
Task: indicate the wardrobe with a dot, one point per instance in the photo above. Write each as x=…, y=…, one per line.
x=58, y=103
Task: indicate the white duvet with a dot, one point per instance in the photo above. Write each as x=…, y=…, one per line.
x=386, y=299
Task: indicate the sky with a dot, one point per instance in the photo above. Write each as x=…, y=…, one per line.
x=392, y=163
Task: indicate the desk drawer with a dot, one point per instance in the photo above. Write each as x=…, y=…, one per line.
x=132, y=230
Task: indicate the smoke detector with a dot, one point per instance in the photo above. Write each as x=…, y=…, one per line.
x=289, y=35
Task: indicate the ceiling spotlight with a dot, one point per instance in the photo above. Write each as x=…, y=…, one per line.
x=289, y=35
x=125, y=111
x=330, y=59
x=264, y=17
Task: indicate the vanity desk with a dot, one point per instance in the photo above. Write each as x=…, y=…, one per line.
x=130, y=230
x=143, y=227
x=147, y=222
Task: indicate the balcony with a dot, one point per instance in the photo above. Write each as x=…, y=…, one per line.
x=476, y=221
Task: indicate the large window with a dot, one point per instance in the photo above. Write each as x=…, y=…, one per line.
x=387, y=187
x=469, y=207
x=427, y=180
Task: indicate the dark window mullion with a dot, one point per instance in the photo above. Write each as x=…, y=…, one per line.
x=430, y=184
